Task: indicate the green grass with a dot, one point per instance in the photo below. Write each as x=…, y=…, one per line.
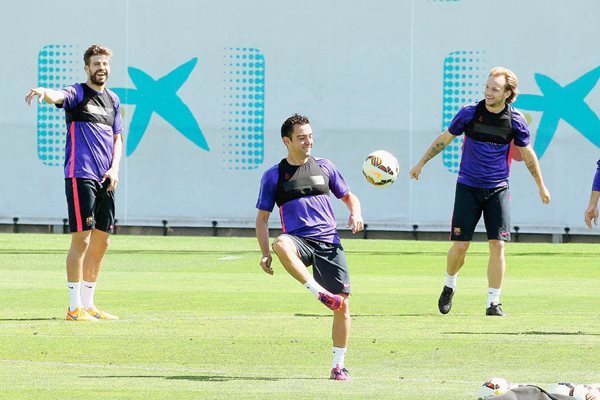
x=200, y=320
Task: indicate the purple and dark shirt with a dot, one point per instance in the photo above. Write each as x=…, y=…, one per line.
x=485, y=164
x=93, y=119
x=309, y=216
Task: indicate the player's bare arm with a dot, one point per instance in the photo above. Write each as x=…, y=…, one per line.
x=113, y=172
x=262, y=234
x=533, y=165
x=355, y=222
x=591, y=213
x=50, y=96
x=436, y=148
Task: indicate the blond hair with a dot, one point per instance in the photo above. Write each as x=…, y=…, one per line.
x=512, y=82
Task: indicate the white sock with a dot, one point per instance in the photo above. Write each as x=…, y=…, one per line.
x=339, y=354
x=493, y=296
x=87, y=293
x=314, y=287
x=74, y=295
x=451, y=281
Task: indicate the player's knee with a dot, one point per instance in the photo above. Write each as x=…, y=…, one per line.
x=345, y=309
x=282, y=244
x=461, y=247
x=80, y=242
x=496, y=246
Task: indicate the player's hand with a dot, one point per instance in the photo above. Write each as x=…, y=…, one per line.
x=355, y=222
x=416, y=171
x=544, y=194
x=265, y=263
x=113, y=178
x=591, y=214
x=40, y=91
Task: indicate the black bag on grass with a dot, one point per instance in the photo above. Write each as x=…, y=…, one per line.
x=530, y=392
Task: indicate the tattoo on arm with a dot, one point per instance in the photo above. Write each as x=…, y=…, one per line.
x=434, y=150
x=532, y=168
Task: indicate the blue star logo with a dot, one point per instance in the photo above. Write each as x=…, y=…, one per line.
x=563, y=102
x=160, y=96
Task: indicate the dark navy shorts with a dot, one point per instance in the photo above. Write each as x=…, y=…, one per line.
x=470, y=202
x=90, y=205
x=328, y=260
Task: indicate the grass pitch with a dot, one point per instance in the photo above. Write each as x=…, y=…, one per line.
x=200, y=320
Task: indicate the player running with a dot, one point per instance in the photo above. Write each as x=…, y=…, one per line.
x=300, y=185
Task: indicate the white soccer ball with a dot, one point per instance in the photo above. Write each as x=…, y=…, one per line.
x=493, y=387
x=565, y=388
x=381, y=168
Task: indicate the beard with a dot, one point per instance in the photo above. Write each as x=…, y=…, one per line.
x=98, y=80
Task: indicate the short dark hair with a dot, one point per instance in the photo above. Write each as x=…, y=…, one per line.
x=96, y=50
x=288, y=126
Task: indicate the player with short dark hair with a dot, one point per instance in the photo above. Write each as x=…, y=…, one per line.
x=92, y=156
x=301, y=185
x=490, y=127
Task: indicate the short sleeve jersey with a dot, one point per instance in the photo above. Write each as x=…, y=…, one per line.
x=310, y=216
x=596, y=183
x=93, y=119
x=486, y=164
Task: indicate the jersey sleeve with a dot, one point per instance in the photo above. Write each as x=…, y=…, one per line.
x=73, y=96
x=596, y=183
x=461, y=119
x=337, y=183
x=268, y=189
x=118, y=122
x=521, y=129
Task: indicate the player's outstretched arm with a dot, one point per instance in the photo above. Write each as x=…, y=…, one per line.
x=262, y=234
x=591, y=213
x=533, y=165
x=355, y=222
x=50, y=96
x=436, y=148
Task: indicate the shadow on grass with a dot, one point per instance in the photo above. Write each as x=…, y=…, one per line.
x=203, y=378
x=541, y=333
x=27, y=319
x=363, y=315
x=134, y=251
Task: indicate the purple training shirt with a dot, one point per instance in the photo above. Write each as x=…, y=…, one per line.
x=309, y=216
x=596, y=183
x=485, y=164
x=89, y=147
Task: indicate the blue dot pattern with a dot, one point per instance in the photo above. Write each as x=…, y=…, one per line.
x=244, y=108
x=463, y=77
x=56, y=69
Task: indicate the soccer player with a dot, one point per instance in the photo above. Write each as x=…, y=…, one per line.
x=482, y=185
x=300, y=185
x=591, y=213
x=92, y=156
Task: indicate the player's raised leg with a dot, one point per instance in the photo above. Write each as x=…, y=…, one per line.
x=288, y=253
x=455, y=260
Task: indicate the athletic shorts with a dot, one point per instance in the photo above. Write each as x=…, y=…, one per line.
x=90, y=205
x=328, y=260
x=470, y=202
